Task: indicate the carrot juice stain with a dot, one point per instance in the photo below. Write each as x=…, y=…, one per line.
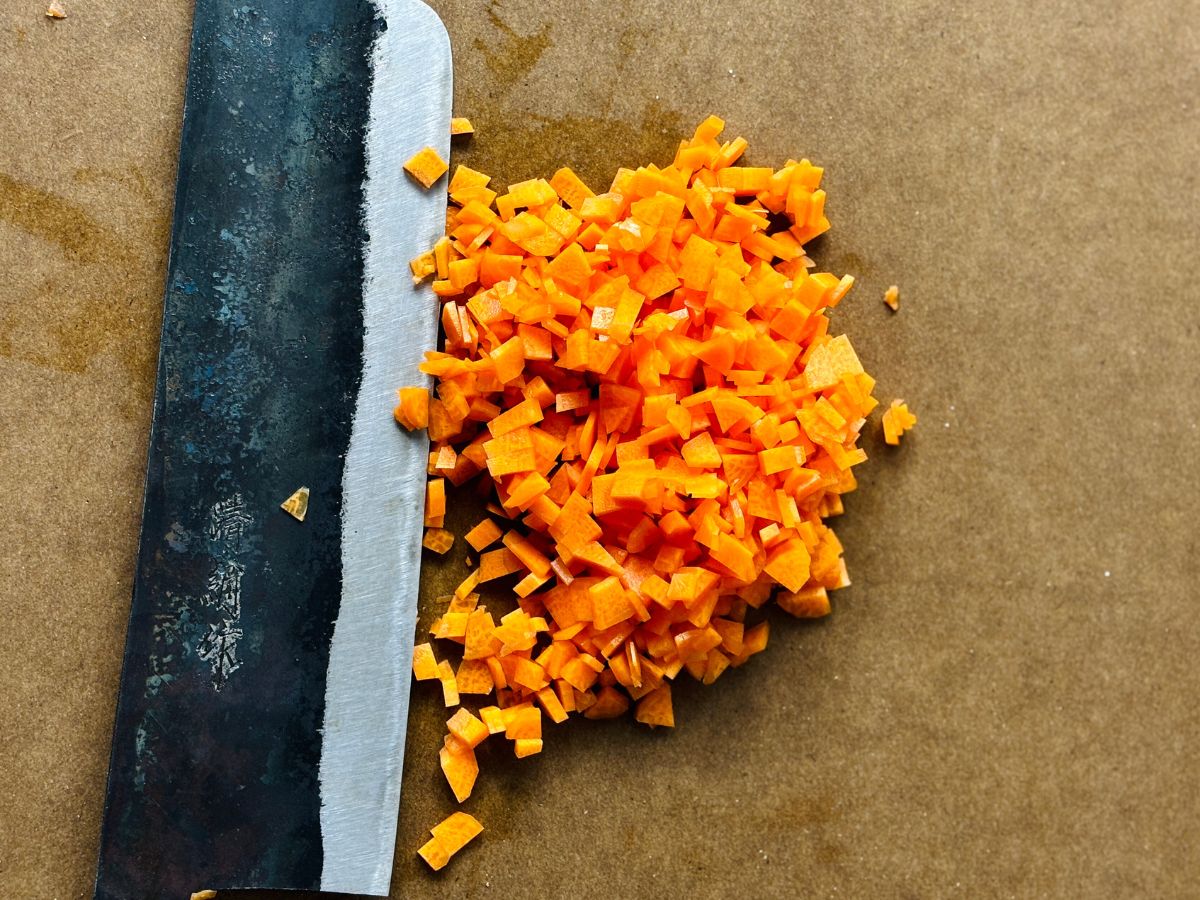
x=514, y=55
x=593, y=145
x=100, y=296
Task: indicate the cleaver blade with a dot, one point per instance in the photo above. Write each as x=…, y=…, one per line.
x=263, y=701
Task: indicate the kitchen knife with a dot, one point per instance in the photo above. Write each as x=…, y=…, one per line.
x=260, y=724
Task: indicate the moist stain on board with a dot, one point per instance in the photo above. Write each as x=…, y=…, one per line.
x=542, y=144
x=98, y=301
x=513, y=56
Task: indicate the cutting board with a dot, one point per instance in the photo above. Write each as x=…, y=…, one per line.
x=1001, y=704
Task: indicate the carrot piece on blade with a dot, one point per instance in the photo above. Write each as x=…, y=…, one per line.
x=413, y=409
x=426, y=167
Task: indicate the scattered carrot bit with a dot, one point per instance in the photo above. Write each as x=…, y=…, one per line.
x=439, y=540
x=426, y=167
x=892, y=298
x=451, y=835
x=646, y=379
x=55, y=11
x=896, y=421
x=196, y=895
x=296, y=505
x=461, y=125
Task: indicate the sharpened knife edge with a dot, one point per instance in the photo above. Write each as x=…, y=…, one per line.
x=367, y=689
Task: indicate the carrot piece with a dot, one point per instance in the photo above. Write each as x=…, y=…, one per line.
x=609, y=704
x=789, y=564
x=439, y=540
x=412, y=412
x=478, y=635
x=473, y=677
x=574, y=525
x=655, y=708
x=459, y=766
x=807, y=603
x=435, y=502
x=467, y=727
x=896, y=421
x=549, y=702
x=610, y=603
x=461, y=125
x=527, y=747
x=527, y=412
x=830, y=362
x=522, y=722
x=496, y=670
x=891, y=297
x=424, y=665
x=449, y=683
x=484, y=534
x=435, y=854
x=524, y=550
x=493, y=717
x=449, y=836
x=456, y=831
x=426, y=167
x=780, y=459
x=498, y=563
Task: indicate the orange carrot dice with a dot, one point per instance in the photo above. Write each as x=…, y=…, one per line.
x=426, y=167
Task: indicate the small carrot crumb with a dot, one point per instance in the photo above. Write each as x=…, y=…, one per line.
x=296, y=505
x=56, y=11
x=461, y=125
x=426, y=167
x=892, y=298
x=896, y=421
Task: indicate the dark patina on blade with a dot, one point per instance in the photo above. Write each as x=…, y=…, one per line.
x=237, y=741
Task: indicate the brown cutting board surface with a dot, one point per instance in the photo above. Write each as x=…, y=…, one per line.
x=1004, y=702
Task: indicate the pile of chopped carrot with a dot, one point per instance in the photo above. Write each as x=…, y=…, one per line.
x=647, y=379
